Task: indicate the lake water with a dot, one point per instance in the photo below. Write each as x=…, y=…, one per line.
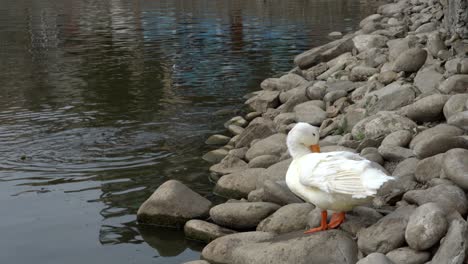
x=103, y=100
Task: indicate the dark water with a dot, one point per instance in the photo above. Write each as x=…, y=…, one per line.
x=103, y=100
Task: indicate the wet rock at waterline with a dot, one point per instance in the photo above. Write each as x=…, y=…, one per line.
x=173, y=204
x=205, y=231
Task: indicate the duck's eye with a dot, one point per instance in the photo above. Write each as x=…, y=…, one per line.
x=313, y=134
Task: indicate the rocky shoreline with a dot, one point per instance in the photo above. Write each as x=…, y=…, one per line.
x=396, y=91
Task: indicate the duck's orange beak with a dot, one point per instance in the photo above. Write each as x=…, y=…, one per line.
x=315, y=148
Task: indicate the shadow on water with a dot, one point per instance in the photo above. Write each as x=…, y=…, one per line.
x=102, y=101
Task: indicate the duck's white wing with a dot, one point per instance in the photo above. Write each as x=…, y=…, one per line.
x=341, y=173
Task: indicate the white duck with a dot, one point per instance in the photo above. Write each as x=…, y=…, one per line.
x=336, y=181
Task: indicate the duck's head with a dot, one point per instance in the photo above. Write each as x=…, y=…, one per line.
x=303, y=139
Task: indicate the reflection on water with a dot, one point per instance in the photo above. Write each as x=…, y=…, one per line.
x=102, y=101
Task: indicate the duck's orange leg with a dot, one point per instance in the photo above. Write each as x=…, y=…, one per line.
x=323, y=224
x=336, y=220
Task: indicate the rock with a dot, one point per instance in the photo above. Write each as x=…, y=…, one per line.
x=220, y=250
x=205, y=231
x=392, y=191
x=298, y=91
x=228, y=164
x=215, y=156
x=452, y=248
x=324, y=53
x=336, y=148
x=391, y=97
x=335, y=34
x=278, y=194
x=284, y=83
x=257, y=129
x=217, y=140
x=439, y=144
x=406, y=167
x=427, y=80
x=360, y=217
x=298, y=248
x=283, y=120
x=459, y=120
x=263, y=161
x=448, y=197
x=242, y=216
x=316, y=91
x=197, y=262
x=370, y=18
x=272, y=145
x=276, y=172
x=352, y=117
x=429, y=134
x=375, y=157
x=429, y=168
x=366, y=42
x=330, y=140
x=400, y=138
x=238, y=152
x=395, y=153
x=347, y=86
x=237, y=120
x=410, y=61
x=362, y=73
x=455, y=166
x=331, y=97
x=435, y=44
x=425, y=28
x=235, y=130
x=387, y=77
x=455, y=84
x=406, y=255
x=426, y=109
x=310, y=113
x=264, y=100
x=426, y=226
x=289, y=218
x=238, y=185
x=457, y=66
x=381, y=124
x=392, y=9
x=387, y=234
x=375, y=258
x=252, y=115
x=398, y=46
x=173, y=204
x=455, y=104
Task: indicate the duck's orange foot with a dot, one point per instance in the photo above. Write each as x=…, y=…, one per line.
x=336, y=220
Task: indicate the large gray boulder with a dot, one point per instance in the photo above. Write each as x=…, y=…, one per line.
x=298, y=248
x=263, y=161
x=242, y=216
x=459, y=120
x=257, y=129
x=239, y=184
x=410, y=61
x=426, y=109
x=406, y=167
x=324, y=53
x=205, y=231
x=381, y=124
x=391, y=97
x=375, y=258
x=406, y=255
x=289, y=218
x=387, y=234
x=455, y=104
x=429, y=134
x=398, y=46
x=439, y=144
x=276, y=172
x=272, y=145
x=310, y=113
x=452, y=249
x=427, y=80
x=173, y=204
x=264, y=100
x=220, y=250
x=426, y=226
x=229, y=164
x=449, y=197
x=278, y=193
x=455, y=84
x=429, y=168
x=400, y=138
x=366, y=42
x=455, y=166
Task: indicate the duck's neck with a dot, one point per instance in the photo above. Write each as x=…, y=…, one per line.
x=296, y=149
